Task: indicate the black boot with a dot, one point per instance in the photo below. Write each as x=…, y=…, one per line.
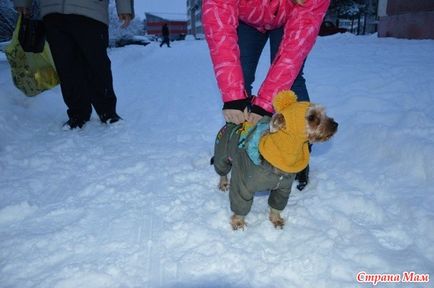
x=109, y=118
x=74, y=122
x=303, y=178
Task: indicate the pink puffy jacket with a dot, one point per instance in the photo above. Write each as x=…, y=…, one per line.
x=301, y=25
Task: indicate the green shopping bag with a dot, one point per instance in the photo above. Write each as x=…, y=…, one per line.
x=32, y=73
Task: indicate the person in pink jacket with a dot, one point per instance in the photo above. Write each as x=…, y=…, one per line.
x=237, y=31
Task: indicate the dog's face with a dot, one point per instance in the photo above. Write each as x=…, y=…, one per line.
x=319, y=127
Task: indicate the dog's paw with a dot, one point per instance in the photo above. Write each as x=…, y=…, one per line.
x=277, y=220
x=238, y=223
x=224, y=183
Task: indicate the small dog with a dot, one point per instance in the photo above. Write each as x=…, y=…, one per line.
x=266, y=157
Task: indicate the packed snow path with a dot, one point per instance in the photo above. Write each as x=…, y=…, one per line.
x=136, y=204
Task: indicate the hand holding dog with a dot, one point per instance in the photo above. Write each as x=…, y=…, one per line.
x=237, y=116
x=253, y=118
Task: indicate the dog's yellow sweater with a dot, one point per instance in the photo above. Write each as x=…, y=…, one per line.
x=288, y=149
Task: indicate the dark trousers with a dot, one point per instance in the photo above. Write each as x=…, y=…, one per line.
x=79, y=48
x=251, y=43
x=166, y=41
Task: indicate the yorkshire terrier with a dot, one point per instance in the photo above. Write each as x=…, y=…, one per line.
x=267, y=156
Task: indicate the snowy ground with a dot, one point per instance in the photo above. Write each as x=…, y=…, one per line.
x=136, y=204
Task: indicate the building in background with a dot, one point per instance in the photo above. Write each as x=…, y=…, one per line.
x=194, y=18
x=406, y=19
x=177, y=27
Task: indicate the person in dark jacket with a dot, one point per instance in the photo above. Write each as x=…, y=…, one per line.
x=165, y=33
x=77, y=31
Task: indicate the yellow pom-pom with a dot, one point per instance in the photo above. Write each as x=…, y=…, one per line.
x=283, y=99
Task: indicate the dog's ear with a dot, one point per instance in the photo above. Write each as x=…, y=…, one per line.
x=277, y=122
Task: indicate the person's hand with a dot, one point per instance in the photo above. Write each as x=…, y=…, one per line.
x=23, y=10
x=235, y=116
x=254, y=118
x=126, y=19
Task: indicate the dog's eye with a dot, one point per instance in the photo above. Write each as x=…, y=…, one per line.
x=310, y=118
x=313, y=120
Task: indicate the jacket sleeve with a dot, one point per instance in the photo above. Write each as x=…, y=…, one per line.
x=300, y=33
x=125, y=7
x=220, y=22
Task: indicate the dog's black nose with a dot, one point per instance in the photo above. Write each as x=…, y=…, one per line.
x=335, y=124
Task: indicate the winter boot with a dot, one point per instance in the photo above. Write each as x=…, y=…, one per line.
x=73, y=123
x=109, y=118
x=303, y=178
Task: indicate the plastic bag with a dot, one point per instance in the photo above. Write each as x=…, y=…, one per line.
x=32, y=73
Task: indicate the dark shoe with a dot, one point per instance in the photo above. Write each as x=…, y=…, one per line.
x=109, y=118
x=303, y=178
x=74, y=123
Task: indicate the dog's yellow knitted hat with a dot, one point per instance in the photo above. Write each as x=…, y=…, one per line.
x=288, y=149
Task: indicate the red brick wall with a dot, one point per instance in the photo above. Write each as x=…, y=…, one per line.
x=175, y=27
x=395, y=7
x=408, y=19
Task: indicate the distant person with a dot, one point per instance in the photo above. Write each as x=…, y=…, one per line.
x=237, y=31
x=77, y=31
x=166, y=35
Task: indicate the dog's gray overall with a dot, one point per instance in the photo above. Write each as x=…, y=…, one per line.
x=247, y=177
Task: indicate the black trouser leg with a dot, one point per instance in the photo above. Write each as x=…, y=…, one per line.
x=303, y=176
x=299, y=84
x=251, y=43
x=86, y=42
x=70, y=65
x=92, y=38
